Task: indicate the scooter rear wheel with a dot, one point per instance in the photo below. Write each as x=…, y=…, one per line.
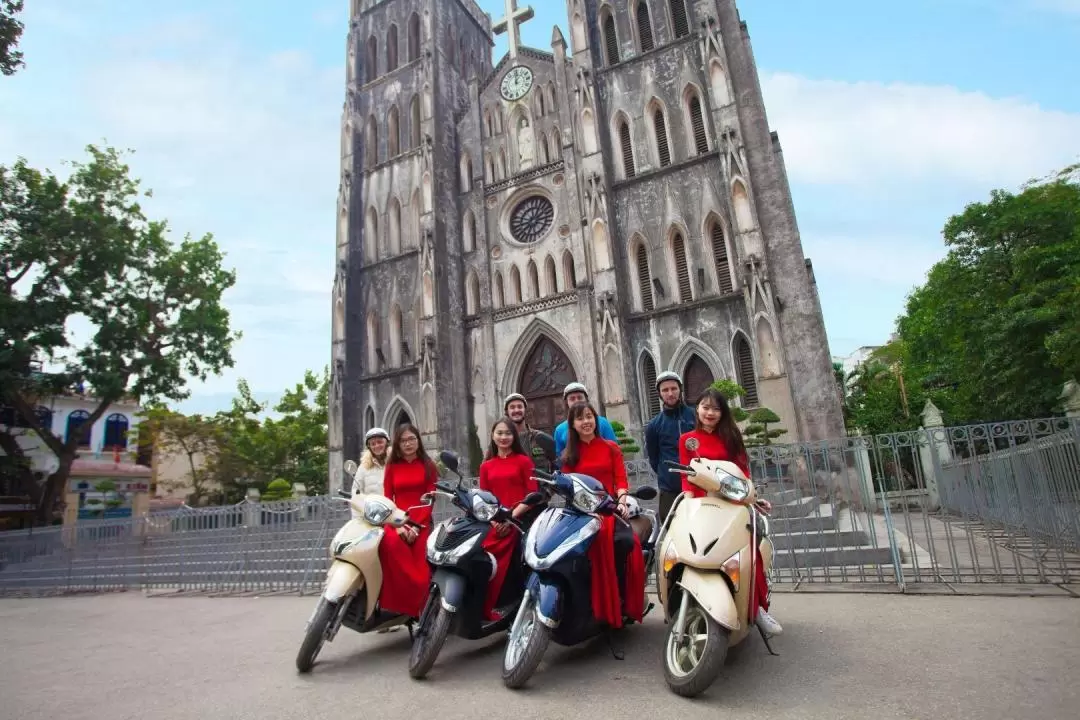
x=429, y=640
x=692, y=664
x=315, y=636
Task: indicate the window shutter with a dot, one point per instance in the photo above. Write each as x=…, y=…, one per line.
x=747, y=378
x=644, y=27
x=644, y=278
x=611, y=41
x=678, y=248
x=678, y=17
x=662, y=148
x=648, y=377
x=627, y=149
x=720, y=255
x=697, y=123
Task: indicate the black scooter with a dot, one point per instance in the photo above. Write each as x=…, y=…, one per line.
x=462, y=569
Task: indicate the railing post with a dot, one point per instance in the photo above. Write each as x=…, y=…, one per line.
x=934, y=454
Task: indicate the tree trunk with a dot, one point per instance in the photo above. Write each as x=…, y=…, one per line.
x=53, y=490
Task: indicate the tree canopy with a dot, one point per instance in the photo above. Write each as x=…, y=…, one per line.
x=101, y=297
x=11, y=29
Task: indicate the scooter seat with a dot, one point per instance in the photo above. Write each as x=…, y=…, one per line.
x=642, y=527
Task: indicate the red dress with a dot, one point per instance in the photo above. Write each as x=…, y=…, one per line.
x=510, y=480
x=711, y=447
x=603, y=460
x=405, y=568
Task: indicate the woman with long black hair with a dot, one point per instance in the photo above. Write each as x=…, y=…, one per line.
x=717, y=437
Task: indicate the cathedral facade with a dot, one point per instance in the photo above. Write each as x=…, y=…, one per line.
x=602, y=211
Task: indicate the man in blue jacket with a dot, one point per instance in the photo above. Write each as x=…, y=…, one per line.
x=662, y=437
x=572, y=394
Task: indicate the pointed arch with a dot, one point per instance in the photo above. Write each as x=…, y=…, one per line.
x=414, y=122
x=745, y=372
x=116, y=432
x=371, y=59
x=740, y=199
x=680, y=264
x=468, y=231
x=393, y=133
x=692, y=347
x=391, y=48
x=569, y=271
x=553, y=100
x=515, y=360
x=487, y=122
x=600, y=246
x=625, y=135
x=718, y=82
x=542, y=147
x=397, y=411
x=374, y=343
x=768, y=349
x=500, y=291
x=656, y=117
x=551, y=277
x=371, y=235
x=533, y=275
x=714, y=234
x=650, y=397
x=698, y=137
x=414, y=37
x=472, y=293
x=393, y=235
x=578, y=34
x=588, y=131
x=417, y=228
x=644, y=27
x=553, y=145
x=679, y=20
x=371, y=143
x=515, y=285
x=369, y=418
x=78, y=422
x=503, y=168
x=466, y=172
x=489, y=169
x=397, y=333
x=610, y=36
x=642, y=274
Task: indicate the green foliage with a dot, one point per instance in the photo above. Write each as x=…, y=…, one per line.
x=11, y=30
x=880, y=399
x=279, y=489
x=628, y=444
x=82, y=250
x=758, y=432
x=191, y=436
x=732, y=391
x=994, y=332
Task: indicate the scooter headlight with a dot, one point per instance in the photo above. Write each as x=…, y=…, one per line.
x=585, y=499
x=376, y=512
x=482, y=510
x=733, y=488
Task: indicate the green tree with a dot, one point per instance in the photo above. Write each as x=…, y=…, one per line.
x=994, y=332
x=278, y=489
x=758, y=432
x=628, y=444
x=11, y=30
x=82, y=252
x=192, y=436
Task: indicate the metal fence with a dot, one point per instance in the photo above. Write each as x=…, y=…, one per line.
x=978, y=504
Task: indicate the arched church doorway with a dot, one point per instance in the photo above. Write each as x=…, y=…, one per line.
x=401, y=419
x=545, y=373
x=696, y=379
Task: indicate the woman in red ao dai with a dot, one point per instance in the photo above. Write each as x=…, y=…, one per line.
x=717, y=437
x=507, y=474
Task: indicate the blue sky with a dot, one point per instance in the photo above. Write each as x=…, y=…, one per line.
x=892, y=117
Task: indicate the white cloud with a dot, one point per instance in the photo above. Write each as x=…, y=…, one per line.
x=872, y=135
x=897, y=261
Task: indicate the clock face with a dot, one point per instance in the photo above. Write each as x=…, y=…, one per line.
x=516, y=83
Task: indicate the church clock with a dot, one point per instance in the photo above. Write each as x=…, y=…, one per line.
x=516, y=83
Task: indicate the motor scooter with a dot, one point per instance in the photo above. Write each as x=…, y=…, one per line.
x=557, y=604
x=350, y=596
x=462, y=569
x=705, y=572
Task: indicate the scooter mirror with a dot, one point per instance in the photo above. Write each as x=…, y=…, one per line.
x=645, y=492
x=450, y=460
x=351, y=467
x=427, y=499
x=533, y=498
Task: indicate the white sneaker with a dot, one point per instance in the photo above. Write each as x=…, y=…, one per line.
x=768, y=623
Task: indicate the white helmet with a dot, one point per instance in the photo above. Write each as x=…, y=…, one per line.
x=512, y=397
x=573, y=388
x=668, y=375
x=376, y=432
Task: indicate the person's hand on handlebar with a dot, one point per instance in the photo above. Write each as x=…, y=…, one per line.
x=502, y=529
x=621, y=508
x=408, y=533
x=764, y=505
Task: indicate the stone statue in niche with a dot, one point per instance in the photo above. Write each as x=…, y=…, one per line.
x=526, y=145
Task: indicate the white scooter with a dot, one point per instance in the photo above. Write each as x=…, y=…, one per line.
x=350, y=596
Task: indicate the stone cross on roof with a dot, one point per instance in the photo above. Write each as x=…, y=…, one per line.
x=512, y=22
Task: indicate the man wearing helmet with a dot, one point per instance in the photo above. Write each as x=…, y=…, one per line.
x=662, y=437
x=572, y=394
x=538, y=445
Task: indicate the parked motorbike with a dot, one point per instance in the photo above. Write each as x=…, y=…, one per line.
x=557, y=604
x=461, y=571
x=705, y=572
x=350, y=596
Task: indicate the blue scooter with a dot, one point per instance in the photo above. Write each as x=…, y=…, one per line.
x=557, y=604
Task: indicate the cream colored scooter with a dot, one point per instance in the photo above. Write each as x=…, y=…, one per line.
x=350, y=596
x=705, y=572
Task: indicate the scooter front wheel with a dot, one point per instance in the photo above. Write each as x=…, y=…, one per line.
x=429, y=639
x=692, y=662
x=315, y=637
x=525, y=647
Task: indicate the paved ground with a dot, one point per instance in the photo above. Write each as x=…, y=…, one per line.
x=842, y=656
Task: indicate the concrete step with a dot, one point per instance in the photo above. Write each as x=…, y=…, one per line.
x=808, y=524
x=799, y=558
x=819, y=540
x=780, y=497
x=798, y=509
